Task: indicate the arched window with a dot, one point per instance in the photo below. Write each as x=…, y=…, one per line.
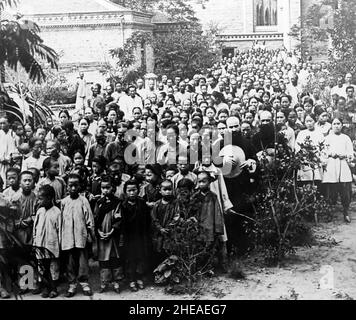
x=266, y=12
x=267, y=17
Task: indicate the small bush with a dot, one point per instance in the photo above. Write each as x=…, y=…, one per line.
x=283, y=206
x=189, y=253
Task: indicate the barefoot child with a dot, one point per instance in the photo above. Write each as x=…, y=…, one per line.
x=77, y=227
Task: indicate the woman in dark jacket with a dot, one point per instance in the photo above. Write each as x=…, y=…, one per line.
x=73, y=138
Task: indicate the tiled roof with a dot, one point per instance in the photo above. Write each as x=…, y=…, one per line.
x=29, y=7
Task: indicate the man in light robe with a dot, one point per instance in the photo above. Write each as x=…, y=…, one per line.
x=7, y=146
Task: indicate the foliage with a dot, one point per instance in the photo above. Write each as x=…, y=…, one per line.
x=124, y=70
x=126, y=55
x=343, y=35
x=308, y=32
x=341, y=29
x=175, y=9
x=284, y=207
x=184, y=52
x=21, y=44
x=54, y=90
x=189, y=255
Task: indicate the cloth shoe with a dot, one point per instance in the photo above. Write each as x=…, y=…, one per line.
x=116, y=287
x=133, y=286
x=71, y=290
x=4, y=294
x=86, y=289
x=140, y=284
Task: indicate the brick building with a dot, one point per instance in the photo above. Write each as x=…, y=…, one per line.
x=83, y=31
x=244, y=21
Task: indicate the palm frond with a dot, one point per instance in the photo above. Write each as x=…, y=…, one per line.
x=24, y=46
x=7, y=3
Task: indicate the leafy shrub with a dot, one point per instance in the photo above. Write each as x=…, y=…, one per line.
x=189, y=255
x=283, y=206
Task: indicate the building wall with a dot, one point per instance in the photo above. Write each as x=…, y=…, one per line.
x=228, y=14
x=84, y=45
x=236, y=17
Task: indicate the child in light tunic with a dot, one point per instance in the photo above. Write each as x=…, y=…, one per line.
x=337, y=175
x=46, y=234
x=76, y=232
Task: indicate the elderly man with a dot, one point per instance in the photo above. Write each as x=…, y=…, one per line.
x=265, y=137
x=240, y=186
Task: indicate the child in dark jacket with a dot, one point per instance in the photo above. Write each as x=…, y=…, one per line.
x=136, y=222
x=210, y=215
x=107, y=226
x=164, y=214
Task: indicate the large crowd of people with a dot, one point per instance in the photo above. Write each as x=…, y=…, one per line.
x=115, y=176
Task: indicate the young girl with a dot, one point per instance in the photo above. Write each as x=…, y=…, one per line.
x=46, y=234
x=306, y=174
x=98, y=168
x=77, y=227
x=163, y=215
x=107, y=227
x=209, y=118
x=51, y=171
x=78, y=158
x=210, y=215
x=151, y=191
x=337, y=175
x=13, y=190
x=171, y=171
x=136, y=230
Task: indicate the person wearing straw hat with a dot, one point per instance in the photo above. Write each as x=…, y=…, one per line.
x=239, y=169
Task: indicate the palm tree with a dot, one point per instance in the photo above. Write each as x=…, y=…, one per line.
x=20, y=44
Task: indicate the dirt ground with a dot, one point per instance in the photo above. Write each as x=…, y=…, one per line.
x=333, y=257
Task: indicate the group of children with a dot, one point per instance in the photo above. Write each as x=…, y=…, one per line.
x=70, y=213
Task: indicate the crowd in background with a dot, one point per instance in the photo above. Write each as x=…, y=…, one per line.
x=69, y=184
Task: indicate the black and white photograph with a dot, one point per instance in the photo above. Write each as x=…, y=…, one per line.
x=177, y=151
